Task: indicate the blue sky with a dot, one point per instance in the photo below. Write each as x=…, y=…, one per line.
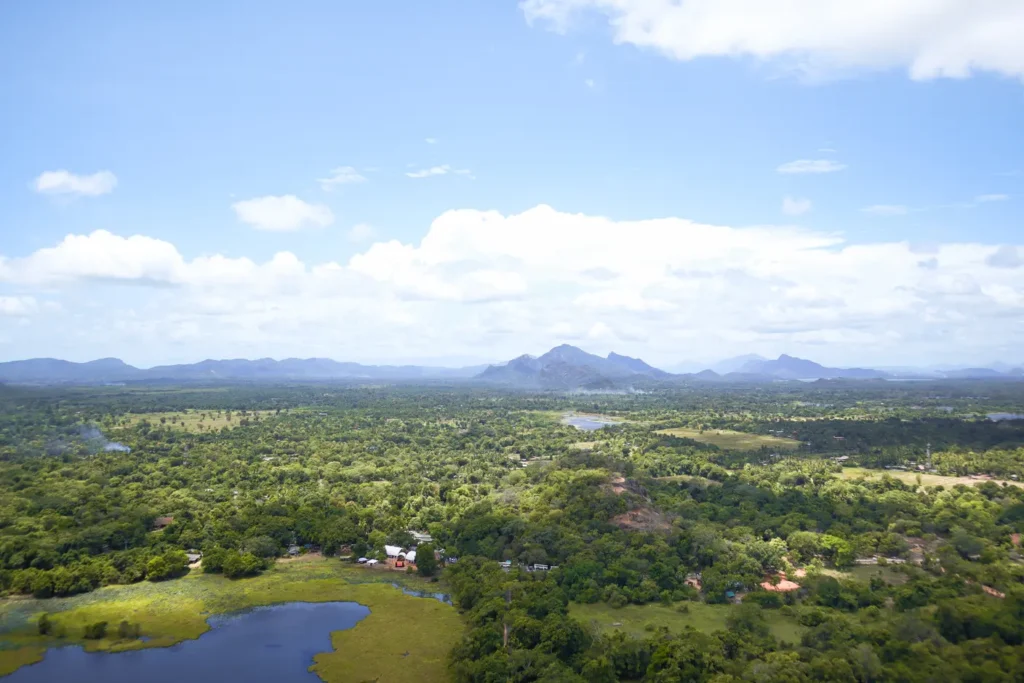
x=214, y=125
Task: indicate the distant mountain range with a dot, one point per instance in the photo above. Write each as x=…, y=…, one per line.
x=788, y=367
x=564, y=367
x=109, y=370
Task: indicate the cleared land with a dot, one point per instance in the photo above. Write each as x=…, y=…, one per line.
x=194, y=420
x=910, y=477
x=890, y=575
x=634, y=619
x=404, y=638
x=728, y=439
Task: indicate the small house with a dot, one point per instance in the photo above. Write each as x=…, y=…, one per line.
x=392, y=551
x=193, y=555
x=421, y=537
x=293, y=550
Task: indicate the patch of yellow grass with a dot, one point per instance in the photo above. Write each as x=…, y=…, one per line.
x=732, y=440
x=911, y=477
x=12, y=659
x=406, y=638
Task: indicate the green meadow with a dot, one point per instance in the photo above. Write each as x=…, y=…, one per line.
x=730, y=440
x=640, y=620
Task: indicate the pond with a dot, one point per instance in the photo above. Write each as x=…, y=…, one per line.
x=999, y=417
x=274, y=643
x=588, y=423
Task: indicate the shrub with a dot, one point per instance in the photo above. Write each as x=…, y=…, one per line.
x=96, y=631
x=44, y=624
x=127, y=630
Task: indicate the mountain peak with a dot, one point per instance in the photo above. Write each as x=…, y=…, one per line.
x=568, y=367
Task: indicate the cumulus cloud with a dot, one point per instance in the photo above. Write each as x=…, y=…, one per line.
x=927, y=38
x=483, y=283
x=886, y=210
x=282, y=214
x=343, y=175
x=811, y=166
x=792, y=206
x=1006, y=256
x=66, y=183
x=18, y=305
x=443, y=169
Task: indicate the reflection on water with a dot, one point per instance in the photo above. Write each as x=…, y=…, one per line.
x=587, y=423
x=273, y=644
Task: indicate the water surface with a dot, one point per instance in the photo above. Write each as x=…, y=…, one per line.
x=587, y=423
x=999, y=417
x=272, y=644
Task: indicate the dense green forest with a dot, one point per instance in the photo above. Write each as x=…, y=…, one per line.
x=899, y=578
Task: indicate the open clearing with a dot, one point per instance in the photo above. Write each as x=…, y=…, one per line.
x=194, y=420
x=910, y=477
x=891, y=575
x=403, y=639
x=728, y=439
x=633, y=619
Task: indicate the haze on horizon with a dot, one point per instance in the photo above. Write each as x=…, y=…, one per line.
x=663, y=180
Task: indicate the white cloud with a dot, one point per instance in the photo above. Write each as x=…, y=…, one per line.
x=792, y=206
x=282, y=214
x=343, y=175
x=430, y=141
x=886, y=210
x=1006, y=256
x=477, y=283
x=811, y=166
x=589, y=82
x=66, y=183
x=361, y=232
x=18, y=305
x=985, y=198
x=444, y=169
x=928, y=38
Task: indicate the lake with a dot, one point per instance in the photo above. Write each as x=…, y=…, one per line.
x=587, y=423
x=264, y=644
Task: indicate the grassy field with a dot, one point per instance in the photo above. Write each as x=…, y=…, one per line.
x=633, y=619
x=731, y=440
x=404, y=639
x=910, y=477
x=890, y=575
x=194, y=420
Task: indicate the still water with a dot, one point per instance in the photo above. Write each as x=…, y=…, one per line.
x=264, y=644
x=999, y=417
x=587, y=423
